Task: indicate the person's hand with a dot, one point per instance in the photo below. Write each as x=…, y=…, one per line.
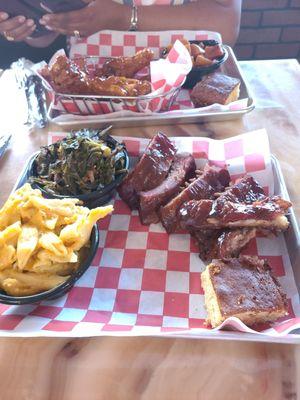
x=96, y=16
x=84, y=21
x=17, y=28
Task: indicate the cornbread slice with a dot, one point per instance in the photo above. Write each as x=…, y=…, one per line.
x=215, y=88
x=244, y=288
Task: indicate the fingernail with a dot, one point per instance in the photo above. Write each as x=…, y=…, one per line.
x=42, y=22
x=46, y=18
x=32, y=30
x=30, y=22
x=21, y=19
x=49, y=28
x=3, y=16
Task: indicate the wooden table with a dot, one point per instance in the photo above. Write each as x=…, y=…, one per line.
x=153, y=368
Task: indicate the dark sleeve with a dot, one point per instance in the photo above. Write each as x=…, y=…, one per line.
x=10, y=51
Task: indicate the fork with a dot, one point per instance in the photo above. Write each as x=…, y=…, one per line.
x=4, y=142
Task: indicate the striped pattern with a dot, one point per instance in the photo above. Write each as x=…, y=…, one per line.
x=154, y=2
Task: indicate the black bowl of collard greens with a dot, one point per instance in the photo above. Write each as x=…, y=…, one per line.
x=88, y=165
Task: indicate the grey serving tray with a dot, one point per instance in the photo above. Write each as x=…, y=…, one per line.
x=230, y=67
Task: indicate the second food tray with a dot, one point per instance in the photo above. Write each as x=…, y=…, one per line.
x=187, y=116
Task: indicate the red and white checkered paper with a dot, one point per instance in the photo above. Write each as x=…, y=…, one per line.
x=165, y=74
x=108, y=43
x=114, y=43
x=143, y=281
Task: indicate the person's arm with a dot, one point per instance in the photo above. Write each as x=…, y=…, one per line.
x=97, y=15
x=217, y=15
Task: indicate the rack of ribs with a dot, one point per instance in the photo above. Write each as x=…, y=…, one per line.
x=222, y=217
x=213, y=243
x=150, y=171
x=243, y=205
x=182, y=169
x=212, y=180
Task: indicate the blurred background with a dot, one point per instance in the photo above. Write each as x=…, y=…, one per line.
x=269, y=29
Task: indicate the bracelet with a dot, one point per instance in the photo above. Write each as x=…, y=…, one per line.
x=134, y=19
